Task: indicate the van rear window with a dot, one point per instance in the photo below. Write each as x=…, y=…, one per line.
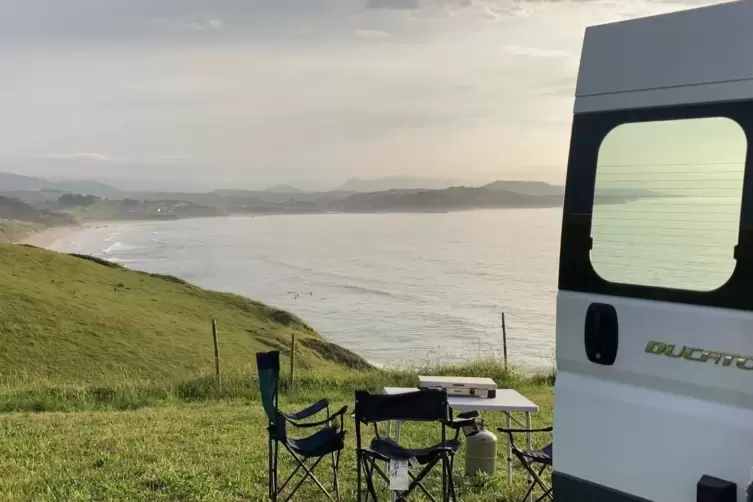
x=667, y=203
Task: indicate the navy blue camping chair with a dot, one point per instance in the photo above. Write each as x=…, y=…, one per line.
x=420, y=406
x=531, y=460
x=328, y=440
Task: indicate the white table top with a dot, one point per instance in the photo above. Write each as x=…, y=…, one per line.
x=508, y=400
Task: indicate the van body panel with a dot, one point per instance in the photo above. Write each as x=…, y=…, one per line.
x=706, y=47
x=651, y=425
x=677, y=401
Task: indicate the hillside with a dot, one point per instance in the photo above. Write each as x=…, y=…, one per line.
x=131, y=209
x=18, y=219
x=283, y=189
x=16, y=182
x=13, y=209
x=450, y=199
x=399, y=183
x=526, y=187
x=69, y=319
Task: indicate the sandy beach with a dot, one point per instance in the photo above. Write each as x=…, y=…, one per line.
x=48, y=237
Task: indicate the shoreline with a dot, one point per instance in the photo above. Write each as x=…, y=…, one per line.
x=47, y=238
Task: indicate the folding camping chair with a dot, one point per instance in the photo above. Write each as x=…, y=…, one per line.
x=531, y=459
x=420, y=406
x=329, y=440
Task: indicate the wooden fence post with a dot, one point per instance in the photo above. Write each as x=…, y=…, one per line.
x=504, y=339
x=216, y=355
x=292, y=361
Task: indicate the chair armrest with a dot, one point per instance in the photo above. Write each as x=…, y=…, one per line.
x=464, y=420
x=338, y=413
x=511, y=431
x=459, y=423
x=307, y=412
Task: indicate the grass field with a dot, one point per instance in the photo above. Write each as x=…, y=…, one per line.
x=70, y=319
x=209, y=449
x=107, y=392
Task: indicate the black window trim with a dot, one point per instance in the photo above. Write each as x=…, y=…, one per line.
x=576, y=273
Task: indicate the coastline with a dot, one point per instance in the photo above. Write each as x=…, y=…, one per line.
x=47, y=238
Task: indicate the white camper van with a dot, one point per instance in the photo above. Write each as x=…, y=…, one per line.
x=654, y=395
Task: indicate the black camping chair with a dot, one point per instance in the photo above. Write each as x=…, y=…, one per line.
x=329, y=440
x=533, y=459
x=420, y=406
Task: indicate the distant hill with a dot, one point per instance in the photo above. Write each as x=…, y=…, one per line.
x=398, y=183
x=9, y=182
x=16, y=182
x=86, y=187
x=75, y=319
x=13, y=209
x=526, y=187
x=283, y=189
x=449, y=199
x=131, y=209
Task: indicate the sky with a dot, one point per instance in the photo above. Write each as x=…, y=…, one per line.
x=196, y=94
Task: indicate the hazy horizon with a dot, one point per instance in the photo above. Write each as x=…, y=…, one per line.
x=233, y=94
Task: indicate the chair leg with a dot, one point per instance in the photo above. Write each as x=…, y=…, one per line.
x=421, y=475
x=536, y=481
x=269, y=467
x=275, y=459
x=369, y=465
x=359, y=458
x=452, y=480
x=448, y=491
x=547, y=494
x=290, y=478
x=445, y=466
x=308, y=474
x=421, y=487
x=335, y=469
x=451, y=496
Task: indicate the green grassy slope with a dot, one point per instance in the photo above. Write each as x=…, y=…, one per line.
x=69, y=319
x=12, y=230
x=211, y=451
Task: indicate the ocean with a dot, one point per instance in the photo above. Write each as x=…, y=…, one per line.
x=394, y=288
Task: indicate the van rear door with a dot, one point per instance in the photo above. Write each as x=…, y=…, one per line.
x=655, y=308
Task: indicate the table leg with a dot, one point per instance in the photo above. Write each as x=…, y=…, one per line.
x=509, y=450
x=393, y=494
x=530, y=448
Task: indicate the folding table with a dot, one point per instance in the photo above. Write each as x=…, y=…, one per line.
x=507, y=401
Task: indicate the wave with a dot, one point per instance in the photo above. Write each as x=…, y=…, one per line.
x=317, y=272
x=121, y=260
x=365, y=290
x=118, y=246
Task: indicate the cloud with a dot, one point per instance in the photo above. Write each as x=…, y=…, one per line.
x=225, y=87
x=192, y=23
x=518, y=50
x=172, y=158
x=372, y=34
x=97, y=157
x=392, y=4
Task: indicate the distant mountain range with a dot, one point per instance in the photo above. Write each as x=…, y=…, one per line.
x=448, y=199
x=400, y=183
x=45, y=195
x=13, y=209
x=283, y=189
x=17, y=182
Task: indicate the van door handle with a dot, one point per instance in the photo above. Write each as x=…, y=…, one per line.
x=601, y=334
